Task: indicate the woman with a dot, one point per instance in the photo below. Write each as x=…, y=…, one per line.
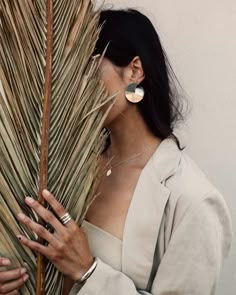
x=158, y=226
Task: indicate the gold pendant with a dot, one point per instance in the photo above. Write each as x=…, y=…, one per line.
x=109, y=172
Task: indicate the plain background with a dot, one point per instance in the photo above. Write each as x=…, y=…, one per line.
x=200, y=40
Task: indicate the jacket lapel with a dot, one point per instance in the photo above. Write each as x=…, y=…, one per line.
x=146, y=211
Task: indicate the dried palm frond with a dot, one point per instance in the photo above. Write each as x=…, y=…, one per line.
x=50, y=118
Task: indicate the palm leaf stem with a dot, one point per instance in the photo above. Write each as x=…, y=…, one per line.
x=43, y=165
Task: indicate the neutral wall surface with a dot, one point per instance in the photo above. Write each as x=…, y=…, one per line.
x=200, y=39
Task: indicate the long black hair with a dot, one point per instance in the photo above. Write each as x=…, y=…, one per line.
x=129, y=34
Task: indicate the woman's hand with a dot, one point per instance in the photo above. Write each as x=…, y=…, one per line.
x=11, y=280
x=67, y=248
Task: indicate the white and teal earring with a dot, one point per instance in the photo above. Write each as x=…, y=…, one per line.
x=133, y=93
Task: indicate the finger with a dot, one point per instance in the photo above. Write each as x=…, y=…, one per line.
x=15, y=292
x=45, y=214
x=11, y=275
x=52, y=201
x=34, y=246
x=4, y=261
x=11, y=287
x=57, y=207
x=38, y=229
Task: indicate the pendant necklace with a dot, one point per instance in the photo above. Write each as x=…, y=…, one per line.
x=109, y=171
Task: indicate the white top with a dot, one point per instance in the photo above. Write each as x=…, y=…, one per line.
x=104, y=245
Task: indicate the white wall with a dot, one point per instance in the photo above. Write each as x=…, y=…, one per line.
x=200, y=39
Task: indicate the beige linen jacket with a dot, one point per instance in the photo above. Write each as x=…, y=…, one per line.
x=178, y=212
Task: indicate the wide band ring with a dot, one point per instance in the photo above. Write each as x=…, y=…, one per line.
x=65, y=218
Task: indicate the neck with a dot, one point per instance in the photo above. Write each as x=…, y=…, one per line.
x=129, y=137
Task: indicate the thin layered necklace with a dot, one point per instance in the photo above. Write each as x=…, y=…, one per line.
x=110, y=167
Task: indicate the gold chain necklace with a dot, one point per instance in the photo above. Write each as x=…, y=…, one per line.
x=109, y=171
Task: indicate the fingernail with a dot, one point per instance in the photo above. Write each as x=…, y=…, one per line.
x=25, y=278
x=6, y=262
x=21, y=215
x=29, y=200
x=46, y=193
x=20, y=237
x=23, y=271
x=26, y=265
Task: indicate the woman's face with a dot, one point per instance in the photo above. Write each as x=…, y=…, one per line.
x=116, y=79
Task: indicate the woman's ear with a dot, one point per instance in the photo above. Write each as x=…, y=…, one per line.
x=137, y=70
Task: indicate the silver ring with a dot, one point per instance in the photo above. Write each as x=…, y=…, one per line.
x=65, y=218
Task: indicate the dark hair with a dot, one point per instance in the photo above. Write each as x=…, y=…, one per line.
x=129, y=34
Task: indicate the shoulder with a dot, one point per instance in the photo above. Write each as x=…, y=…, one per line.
x=188, y=182
x=181, y=175
x=193, y=198
x=192, y=191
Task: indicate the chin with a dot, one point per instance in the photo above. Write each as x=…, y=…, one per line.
x=111, y=117
x=107, y=123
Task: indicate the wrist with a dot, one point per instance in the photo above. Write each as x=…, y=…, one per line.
x=86, y=266
x=82, y=279
x=82, y=269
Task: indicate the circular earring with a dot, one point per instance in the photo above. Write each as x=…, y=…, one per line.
x=133, y=93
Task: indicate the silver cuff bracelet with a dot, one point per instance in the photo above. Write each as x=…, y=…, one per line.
x=88, y=273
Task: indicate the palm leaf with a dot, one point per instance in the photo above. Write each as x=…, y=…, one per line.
x=50, y=118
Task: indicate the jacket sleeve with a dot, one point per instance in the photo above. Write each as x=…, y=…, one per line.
x=191, y=263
